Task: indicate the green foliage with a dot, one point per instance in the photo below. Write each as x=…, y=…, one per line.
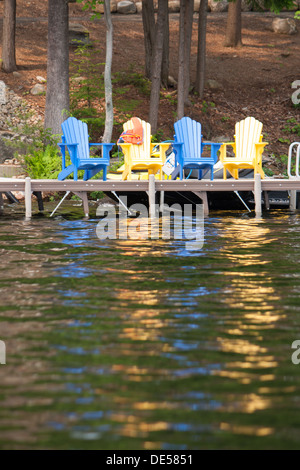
x=158, y=137
x=96, y=195
x=284, y=141
x=292, y=127
x=38, y=146
x=87, y=81
x=135, y=79
x=43, y=163
x=268, y=172
x=297, y=15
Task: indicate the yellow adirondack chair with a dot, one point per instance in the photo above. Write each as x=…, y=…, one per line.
x=248, y=148
x=139, y=157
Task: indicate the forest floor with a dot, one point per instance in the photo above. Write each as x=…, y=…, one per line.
x=255, y=80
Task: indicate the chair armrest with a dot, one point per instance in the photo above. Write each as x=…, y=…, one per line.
x=223, y=150
x=163, y=147
x=64, y=144
x=177, y=146
x=261, y=144
x=214, y=147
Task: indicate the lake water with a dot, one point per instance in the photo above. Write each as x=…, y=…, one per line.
x=144, y=345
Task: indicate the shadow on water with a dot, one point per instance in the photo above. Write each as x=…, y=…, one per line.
x=140, y=344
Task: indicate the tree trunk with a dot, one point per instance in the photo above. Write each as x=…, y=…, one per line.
x=188, y=29
x=201, y=54
x=181, y=62
x=165, y=58
x=149, y=34
x=9, y=33
x=109, y=114
x=157, y=64
x=57, y=96
x=233, y=37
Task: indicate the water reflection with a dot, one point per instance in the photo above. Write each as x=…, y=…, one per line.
x=139, y=344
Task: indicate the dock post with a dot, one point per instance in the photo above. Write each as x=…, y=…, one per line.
x=151, y=196
x=293, y=199
x=162, y=202
x=28, y=207
x=257, y=194
x=1, y=203
x=203, y=197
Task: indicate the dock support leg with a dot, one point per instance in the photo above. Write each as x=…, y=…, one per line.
x=267, y=203
x=203, y=197
x=257, y=194
x=28, y=205
x=151, y=196
x=162, y=201
x=293, y=199
x=1, y=203
x=85, y=202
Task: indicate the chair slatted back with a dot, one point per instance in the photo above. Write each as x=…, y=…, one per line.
x=76, y=131
x=247, y=133
x=142, y=151
x=188, y=131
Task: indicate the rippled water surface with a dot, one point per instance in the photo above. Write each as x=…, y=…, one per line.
x=144, y=345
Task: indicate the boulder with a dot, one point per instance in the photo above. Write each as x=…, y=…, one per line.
x=126, y=7
x=214, y=85
x=38, y=89
x=284, y=26
x=78, y=35
x=139, y=7
x=218, y=6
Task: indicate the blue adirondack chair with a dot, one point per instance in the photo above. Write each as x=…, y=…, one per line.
x=188, y=148
x=76, y=138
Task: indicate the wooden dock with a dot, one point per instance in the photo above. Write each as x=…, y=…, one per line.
x=199, y=187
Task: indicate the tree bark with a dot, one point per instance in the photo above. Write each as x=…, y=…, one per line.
x=233, y=36
x=149, y=34
x=188, y=29
x=109, y=115
x=165, y=58
x=9, y=33
x=157, y=64
x=181, y=61
x=201, y=54
x=57, y=96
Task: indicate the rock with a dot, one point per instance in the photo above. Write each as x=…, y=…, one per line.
x=17, y=74
x=284, y=26
x=139, y=6
x=171, y=81
x=38, y=89
x=41, y=79
x=218, y=6
x=214, y=85
x=126, y=7
x=174, y=6
x=3, y=93
x=78, y=35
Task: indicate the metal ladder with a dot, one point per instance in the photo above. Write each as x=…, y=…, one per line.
x=293, y=173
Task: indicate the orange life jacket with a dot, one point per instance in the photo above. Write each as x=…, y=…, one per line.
x=133, y=136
